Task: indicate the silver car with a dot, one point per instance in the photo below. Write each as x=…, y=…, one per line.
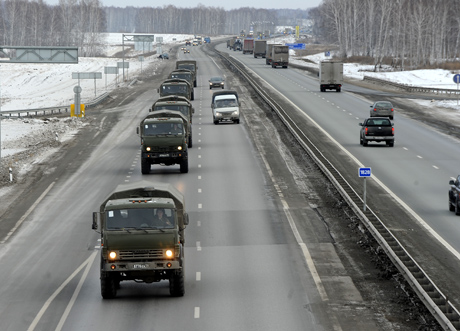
x=382, y=109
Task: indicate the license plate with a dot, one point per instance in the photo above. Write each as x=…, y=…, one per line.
x=163, y=155
x=140, y=266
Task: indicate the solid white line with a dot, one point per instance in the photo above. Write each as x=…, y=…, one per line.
x=196, y=313
x=58, y=290
x=23, y=218
x=75, y=293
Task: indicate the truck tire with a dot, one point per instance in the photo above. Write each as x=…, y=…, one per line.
x=145, y=167
x=184, y=166
x=338, y=89
x=364, y=141
x=194, y=83
x=190, y=143
x=177, y=284
x=456, y=208
x=108, y=287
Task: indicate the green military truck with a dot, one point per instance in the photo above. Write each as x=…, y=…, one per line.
x=142, y=236
x=184, y=74
x=163, y=141
x=189, y=65
x=176, y=86
x=174, y=102
x=174, y=113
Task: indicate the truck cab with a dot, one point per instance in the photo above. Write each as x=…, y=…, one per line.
x=142, y=227
x=176, y=86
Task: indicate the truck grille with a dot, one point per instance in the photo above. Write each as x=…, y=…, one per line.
x=163, y=148
x=141, y=254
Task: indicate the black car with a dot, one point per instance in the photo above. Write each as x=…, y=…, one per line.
x=216, y=82
x=164, y=56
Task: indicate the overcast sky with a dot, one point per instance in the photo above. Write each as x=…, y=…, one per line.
x=269, y=4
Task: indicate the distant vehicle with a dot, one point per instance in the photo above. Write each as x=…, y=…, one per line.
x=183, y=48
x=186, y=51
x=454, y=195
x=190, y=65
x=382, y=109
x=188, y=43
x=248, y=46
x=207, y=40
x=378, y=129
x=330, y=76
x=225, y=106
x=216, y=82
x=260, y=48
x=164, y=56
x=280, y=56
x=195, y=43
x=184, y=74
x=268, y=53
x=176, y=86
x=237, y=46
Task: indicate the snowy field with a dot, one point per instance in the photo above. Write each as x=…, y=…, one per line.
x=29, y=86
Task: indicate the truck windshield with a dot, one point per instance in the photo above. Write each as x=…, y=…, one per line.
x=182, y=76
x=182, y=109
x=187, y=66
x=174, y=89
x=142, y=218
x=155, y=129
x=226, y=103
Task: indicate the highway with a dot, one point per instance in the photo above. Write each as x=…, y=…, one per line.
x=251, y=261
x=414, y=173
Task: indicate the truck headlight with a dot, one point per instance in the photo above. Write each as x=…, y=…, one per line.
x=179, y=148
x=147, y=149
x=169, y=253
x=112, y=255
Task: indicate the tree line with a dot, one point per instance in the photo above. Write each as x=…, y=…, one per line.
x=81, y=22
x=412, y=33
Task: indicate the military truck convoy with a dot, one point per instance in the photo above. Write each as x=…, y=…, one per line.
x=142, y=236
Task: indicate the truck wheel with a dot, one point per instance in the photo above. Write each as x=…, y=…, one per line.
x=194, y=83
x=145, y=166
x=456, y=208
x=177, y=284
x=237, y=121
x=193, y=96
x=190, y=144
x=108, y=287
x=184, y=166
x=390, y=144
x=215, y=121
x=364, y=141
x=338, y=90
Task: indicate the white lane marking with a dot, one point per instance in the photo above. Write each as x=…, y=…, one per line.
x=419, y=157
x=23, y=218
x=198, y=276
x=75, y=293
x=200, y=205
x=199, y=190
x=198, y=246
x=436, y=167
x=42, y=311
x=196, y=313
x=199, y=177
x=198, y=223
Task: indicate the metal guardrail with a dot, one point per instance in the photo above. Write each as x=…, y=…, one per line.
x=50, y=110
x=413, y=89
x=431, y=296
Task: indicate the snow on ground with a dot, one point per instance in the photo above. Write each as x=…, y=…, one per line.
x=29, y=86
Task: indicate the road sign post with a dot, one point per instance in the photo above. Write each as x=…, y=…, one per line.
x=457, y=80
x=364, y=172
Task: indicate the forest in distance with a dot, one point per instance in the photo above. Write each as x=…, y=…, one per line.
x=409, y=32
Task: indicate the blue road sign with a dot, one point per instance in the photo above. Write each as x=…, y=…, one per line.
x=295, y=46
x=457, y=78
x=327, y=53
x=364, y=172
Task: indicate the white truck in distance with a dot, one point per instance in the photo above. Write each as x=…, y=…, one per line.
x=330, y=76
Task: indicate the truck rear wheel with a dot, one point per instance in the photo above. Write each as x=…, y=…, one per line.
x=190, y=144
x=145, y=166
x=184, y=166
x=108, y=287
x=177, y=284
x=451, y=207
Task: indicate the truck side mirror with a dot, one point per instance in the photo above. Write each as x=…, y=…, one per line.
x=451, y=182
x=158, y=90
x=193, y=110
x=94, y=226
x=185, y=219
